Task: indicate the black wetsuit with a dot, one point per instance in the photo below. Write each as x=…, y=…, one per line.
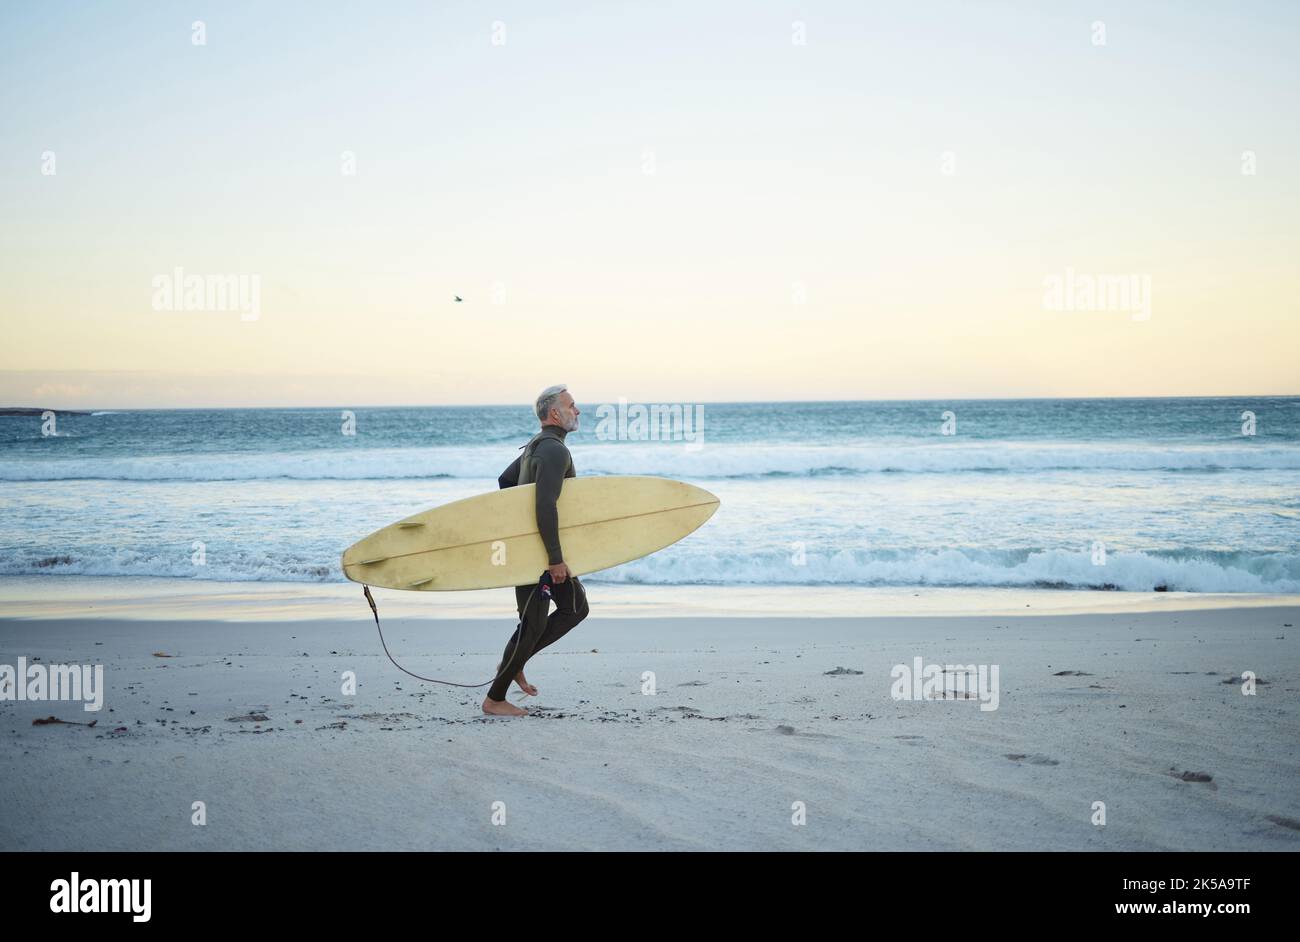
x=545, y=462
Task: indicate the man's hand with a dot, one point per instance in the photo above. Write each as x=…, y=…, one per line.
x=559, y=572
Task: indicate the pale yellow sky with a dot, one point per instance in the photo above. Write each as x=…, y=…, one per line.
x=653, y=203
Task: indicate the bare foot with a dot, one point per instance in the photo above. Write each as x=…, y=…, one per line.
x=524, y=685
x=502, y=708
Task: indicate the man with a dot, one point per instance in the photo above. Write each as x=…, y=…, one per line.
x=545, y=462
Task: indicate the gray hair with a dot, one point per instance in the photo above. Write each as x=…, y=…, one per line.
x=546, y=401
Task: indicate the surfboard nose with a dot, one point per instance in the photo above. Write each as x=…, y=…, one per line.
x=702, y=498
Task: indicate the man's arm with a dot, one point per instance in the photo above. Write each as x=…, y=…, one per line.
x=552, y=460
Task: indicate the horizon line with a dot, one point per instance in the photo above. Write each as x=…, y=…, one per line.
x=719, y=402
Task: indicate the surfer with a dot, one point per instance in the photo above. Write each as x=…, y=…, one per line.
x=545, y=462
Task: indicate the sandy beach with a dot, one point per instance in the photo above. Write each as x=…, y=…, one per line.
x=753, y=723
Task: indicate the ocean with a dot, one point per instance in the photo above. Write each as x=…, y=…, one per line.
x=1180, y=495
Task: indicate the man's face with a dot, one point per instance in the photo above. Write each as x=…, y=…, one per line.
x=568, y=412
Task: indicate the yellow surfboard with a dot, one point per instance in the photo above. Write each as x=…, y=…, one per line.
x=491, y=541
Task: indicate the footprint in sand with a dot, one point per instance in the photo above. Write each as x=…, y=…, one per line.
x=784, y=730
x=1033, y=759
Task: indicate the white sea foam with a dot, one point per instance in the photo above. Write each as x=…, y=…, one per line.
x=1052, y=568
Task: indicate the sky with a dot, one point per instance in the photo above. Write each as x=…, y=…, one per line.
x=678, y=201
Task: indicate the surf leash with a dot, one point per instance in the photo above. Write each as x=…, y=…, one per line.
x=544, y=584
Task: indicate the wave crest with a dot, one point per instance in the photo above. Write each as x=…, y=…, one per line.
x=667, y=459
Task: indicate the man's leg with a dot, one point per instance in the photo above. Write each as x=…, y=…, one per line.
x=570, y=609
x=519, y=649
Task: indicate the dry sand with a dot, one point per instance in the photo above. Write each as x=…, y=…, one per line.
x=745, y=723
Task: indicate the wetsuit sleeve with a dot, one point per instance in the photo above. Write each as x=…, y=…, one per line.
x=552, y=460
x=510, y=476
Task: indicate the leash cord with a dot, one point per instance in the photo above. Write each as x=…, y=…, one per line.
x=519, y=636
